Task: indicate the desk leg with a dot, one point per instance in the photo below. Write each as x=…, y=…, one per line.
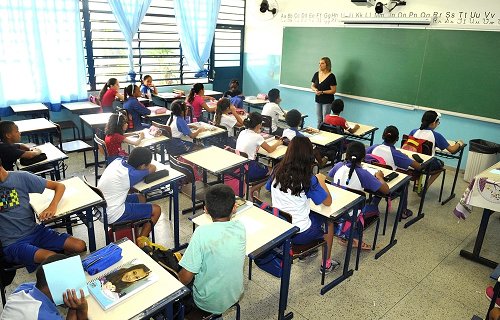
x=474, y=255
x=346, y=273
x=393, y=241
x=420, y=214
x=57, y=170
x=242, y=179
x=96, y=162
x=175, y=189
x=452, y=193
x=90, y=229
x=285, y=280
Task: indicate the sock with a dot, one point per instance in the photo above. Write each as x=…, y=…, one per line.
x=328, y=263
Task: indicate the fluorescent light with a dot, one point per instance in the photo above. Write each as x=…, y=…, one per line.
x=384, y=20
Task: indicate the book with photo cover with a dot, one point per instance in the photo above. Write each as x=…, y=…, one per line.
x=120, y=283
x=242, y=205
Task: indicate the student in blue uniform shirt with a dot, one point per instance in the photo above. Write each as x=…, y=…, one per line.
x=134, y=107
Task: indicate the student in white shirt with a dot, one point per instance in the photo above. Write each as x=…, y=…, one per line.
x=223, y=118
x=273, y=109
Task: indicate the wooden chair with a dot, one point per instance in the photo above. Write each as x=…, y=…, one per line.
x=198, y=314
x=117, y=226
x=195, y=190
x=297, y=249
x=427, y=148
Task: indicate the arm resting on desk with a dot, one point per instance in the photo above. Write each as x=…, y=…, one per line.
x=454, y=148
x=52, y=208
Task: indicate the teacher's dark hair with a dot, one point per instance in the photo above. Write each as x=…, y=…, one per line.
x=328, y=63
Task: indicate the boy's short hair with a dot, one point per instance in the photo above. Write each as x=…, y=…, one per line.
x=273, y=94
x=41, y=281
x=219, y=200
x=337, y=106
x=140, y=156
x=5, y=127
x=293, y=118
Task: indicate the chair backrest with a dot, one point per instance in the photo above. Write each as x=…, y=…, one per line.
x=382, y=165
x=329, y=128
x=258, y=202
x=184, y=168
x=267, y=122
x=95, y=189
x=241, y=153
x=166, y=130
x=101, y=145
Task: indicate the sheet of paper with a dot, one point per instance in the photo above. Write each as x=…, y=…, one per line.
x=320, y=138
x=495, y=171
x=251, y=225
x=65, y=274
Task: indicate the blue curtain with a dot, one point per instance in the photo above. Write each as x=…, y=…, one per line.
x=41, y=53
x=129, y=15
x=196, y=20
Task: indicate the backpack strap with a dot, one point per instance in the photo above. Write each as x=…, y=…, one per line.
x=264, y=206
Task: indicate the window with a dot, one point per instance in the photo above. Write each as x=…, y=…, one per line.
x=156, y=46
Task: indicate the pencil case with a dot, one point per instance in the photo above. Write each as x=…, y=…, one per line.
x=102, y=259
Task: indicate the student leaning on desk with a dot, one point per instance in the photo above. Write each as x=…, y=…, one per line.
x=108, y=94
x=216, y=254
x=23, y=240
x=10, y=148
x=115, y=135
x=427, y=131
x=34, y=300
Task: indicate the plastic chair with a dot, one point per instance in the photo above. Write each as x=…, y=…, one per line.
x=253, y=182
x=117, y=226
x=297, y=249
x=427, y=148
x=267, y=123
x=195, y=190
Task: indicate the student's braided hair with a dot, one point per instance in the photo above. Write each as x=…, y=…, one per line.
x=197, y=87
x=355, y=154
x=391, y=134
x=177, y=107
x=428, y=118
x=222, y=105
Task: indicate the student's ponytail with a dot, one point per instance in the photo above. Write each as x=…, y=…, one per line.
x=128, y=92
x=197, y=87
x=107, y=85
x=222, y=105
x=355, y=154
x=428, y=118
x=253, y=120
x=177, y=107
x=390, y=135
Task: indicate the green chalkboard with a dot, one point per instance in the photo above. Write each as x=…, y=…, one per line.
x=450, y=70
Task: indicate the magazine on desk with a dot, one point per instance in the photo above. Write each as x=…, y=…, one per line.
x=120, y=283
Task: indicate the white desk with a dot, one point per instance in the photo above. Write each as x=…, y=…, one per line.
x=94, y=121
x=54, y=155
x=255, y=103
x=265, y=231
x=211, y=132
x=209, y=92
x=150, y=300
x=77, y=198
x=342, y=204
x=218, y=161
x=149, y=141
x=148, y=189
x=36, y=126
x=35, y=109
x=323, y=138
x=81, y=107
x=364, y=132
x=277, y=154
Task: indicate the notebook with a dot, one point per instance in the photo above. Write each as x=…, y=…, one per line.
x=241, y=205
x=120, y=283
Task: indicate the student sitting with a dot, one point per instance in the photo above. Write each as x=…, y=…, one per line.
x=394, y=158
x=10, y=148
x=196, y=98
x=336, y=119
x=249, y=141
x=430, y=121
x=134, y=108
x=116, y=182
x=23, y=240
x=234, y=94
x=34, y=300
x=292, y=183
x=180, y=128
x=148, y=88
x=273, y=109
x=294, y=120
x=350, y=174
x=222, y=118
x=115, y=135
x=109, y=93
x=216, y=254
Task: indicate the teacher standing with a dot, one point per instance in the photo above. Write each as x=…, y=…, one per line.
x=324, y=85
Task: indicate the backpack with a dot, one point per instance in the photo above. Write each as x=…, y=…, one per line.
x=271, y=261
x=166, y=258
x=370, y=158
x=413, y=144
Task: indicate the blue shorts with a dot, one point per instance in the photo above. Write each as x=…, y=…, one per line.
x=134, y=210
x=179, y=146
x=23, y=251
x=256, y=170
x=436, y=164
x=314, y=232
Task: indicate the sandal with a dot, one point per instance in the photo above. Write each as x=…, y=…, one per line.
x=364, y=246
x=406, y=214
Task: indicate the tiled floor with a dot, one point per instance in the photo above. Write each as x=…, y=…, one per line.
x=422, y=277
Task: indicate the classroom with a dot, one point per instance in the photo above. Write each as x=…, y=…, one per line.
x=423, y=276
